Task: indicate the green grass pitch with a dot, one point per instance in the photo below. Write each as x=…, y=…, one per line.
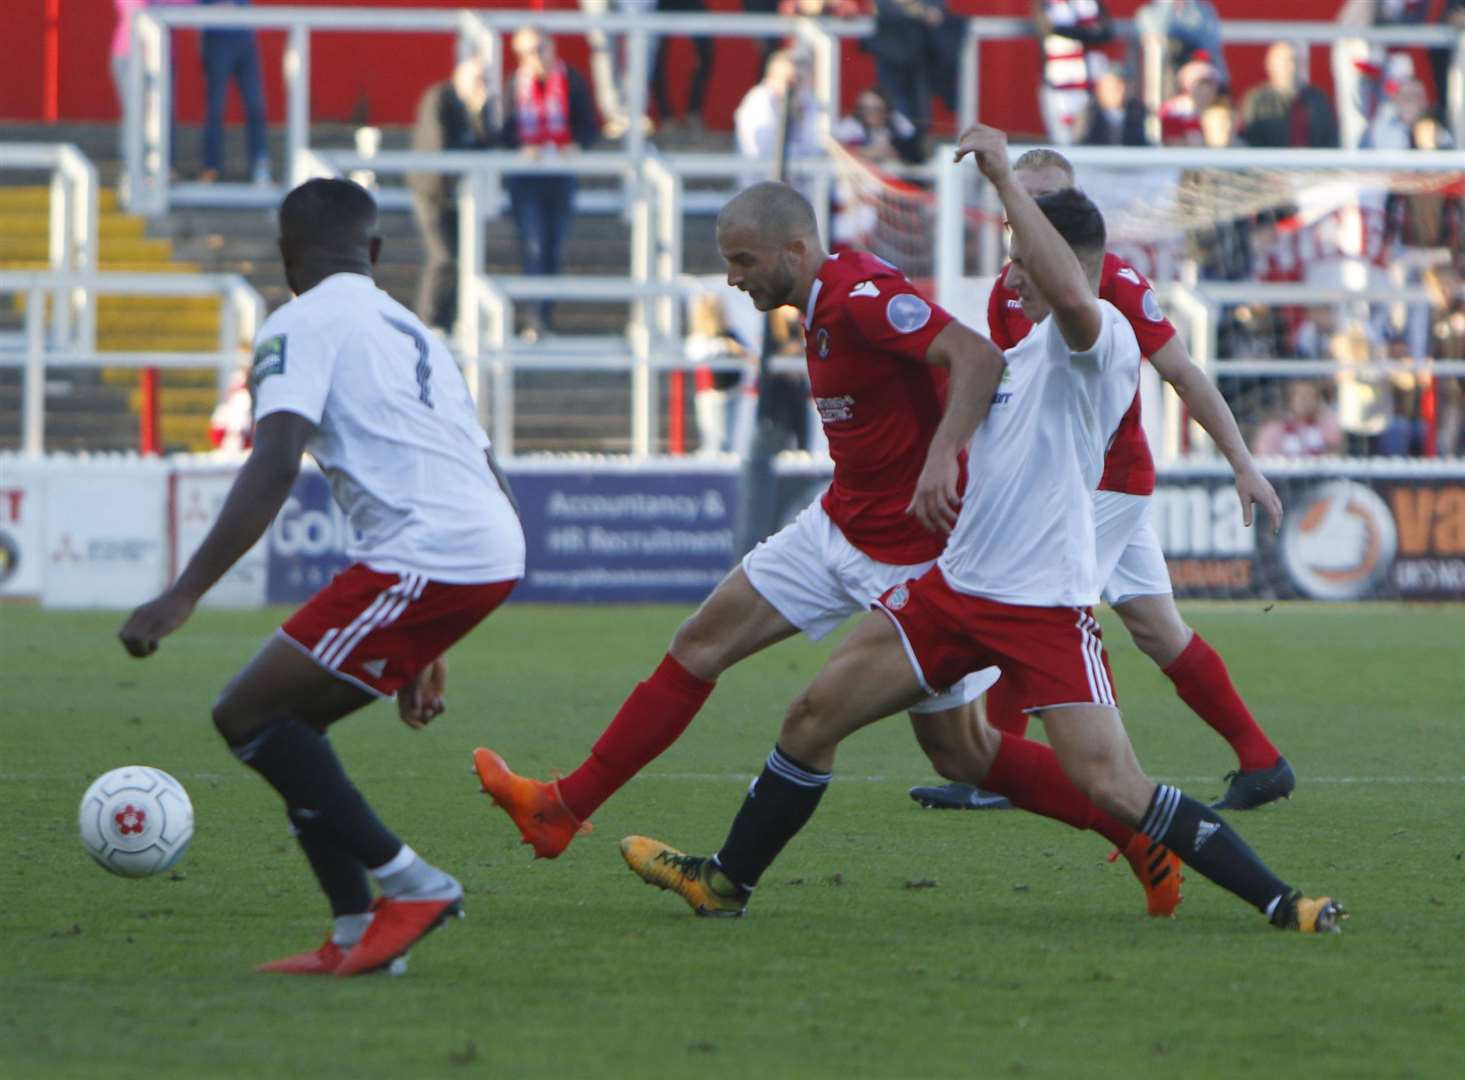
x=886, y=942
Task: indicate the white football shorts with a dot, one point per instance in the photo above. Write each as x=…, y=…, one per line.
x=816, y=579
x=1131, y=563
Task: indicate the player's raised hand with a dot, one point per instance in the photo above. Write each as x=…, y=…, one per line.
x=936, y=501
x=155, y=620
x=424, y=699
x=1252, y=488
x=990, y=148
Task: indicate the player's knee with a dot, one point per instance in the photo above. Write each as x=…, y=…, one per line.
x=233, y=720
x=804, y=733
x=697, y=646
x=1159, y=635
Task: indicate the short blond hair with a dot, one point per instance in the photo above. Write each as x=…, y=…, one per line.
x=1043, y=157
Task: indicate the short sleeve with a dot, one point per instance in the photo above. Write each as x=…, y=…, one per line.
x=997, y=313
x=1136, y=301
x=291, y=373
x=894, y=318
x=1114, y=345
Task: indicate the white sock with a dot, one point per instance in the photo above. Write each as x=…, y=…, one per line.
x=350, y=928
x=396, y=864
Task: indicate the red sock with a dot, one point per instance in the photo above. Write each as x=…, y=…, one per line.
x=1202, y=682
x=649, y=721
x=1028, y=773
x=1004, y=710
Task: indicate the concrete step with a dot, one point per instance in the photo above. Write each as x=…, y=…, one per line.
x=180, y=400
x=27, y=197
x=169, y=378
x=110, y=226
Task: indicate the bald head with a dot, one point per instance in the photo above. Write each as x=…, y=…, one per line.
x=776, y=213
x=769, y=238
x=327, y=227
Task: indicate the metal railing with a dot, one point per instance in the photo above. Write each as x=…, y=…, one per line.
x=73, y=246
x=240, y=314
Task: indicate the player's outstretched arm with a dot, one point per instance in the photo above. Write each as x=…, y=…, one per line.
x=975, y=369
x=256, y=497
x=1045, y=256
x=1172, y=360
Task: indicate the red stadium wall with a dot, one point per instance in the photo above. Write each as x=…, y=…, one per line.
x=380, y=76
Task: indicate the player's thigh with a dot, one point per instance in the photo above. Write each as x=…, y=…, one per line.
x=730, y=625
x=1118, y=521
x=958, y=741
x=867, y=678
x=282, y=681
x=1094, y=750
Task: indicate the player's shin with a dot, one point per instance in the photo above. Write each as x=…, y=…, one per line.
x=299, y=763
x=778, y=804
x=341, y=876
x=1202, y=839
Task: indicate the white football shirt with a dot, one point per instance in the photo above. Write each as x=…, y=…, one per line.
x=396, y=433
x=1026, y=530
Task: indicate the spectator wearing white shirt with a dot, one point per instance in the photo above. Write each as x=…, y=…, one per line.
x=759, y=116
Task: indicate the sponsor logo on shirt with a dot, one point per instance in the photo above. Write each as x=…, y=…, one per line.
x=898, y=598
x=1151, y=307
x=1002, y=397
x=821, y=342
x=269, y=358
x=865, y=288
x=834, y=409
x=1128, y=275
x=907, y=313
x=1014, y=305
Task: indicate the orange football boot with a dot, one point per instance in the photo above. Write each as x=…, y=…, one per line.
x=396, y=926
x=535, y=807
x=1158, y=870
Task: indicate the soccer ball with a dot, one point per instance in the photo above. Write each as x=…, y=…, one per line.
x=136, y=820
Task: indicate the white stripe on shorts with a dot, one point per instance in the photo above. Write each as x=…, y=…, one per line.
x=1093, y=657
x=383, y=611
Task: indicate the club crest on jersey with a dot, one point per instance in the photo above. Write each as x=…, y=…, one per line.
x=269, y=358
x=821, y=342
x=898, y=598
x=865, y=288
x=1151, y=307
x=907, y=313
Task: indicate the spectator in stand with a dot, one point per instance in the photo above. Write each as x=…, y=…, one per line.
x=1115, y=118
x=1447, y=342
x=1306, y=429
x=122, y=58
x=550, y=117
x=1071, y=31
x=759, y=115
x=1361, y=69
x=1200, y=88
x=916, y=45
x=769, y=45
x=456, y=114
x=231, y=55
x=1222, y=251
x=716, y=398
x=786, y=394
x=1284, y=111
x=1365, y=399
x=231, y=424
x=1190, y=29
x=877, y=133
x=1392, y=127
x=697, y=94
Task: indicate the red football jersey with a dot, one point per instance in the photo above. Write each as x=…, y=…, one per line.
x=866, y=333
x=1128, y=466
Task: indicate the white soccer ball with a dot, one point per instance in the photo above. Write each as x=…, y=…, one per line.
x=136, y=820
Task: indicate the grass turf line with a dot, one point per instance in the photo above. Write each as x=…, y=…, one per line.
x=1030, y=957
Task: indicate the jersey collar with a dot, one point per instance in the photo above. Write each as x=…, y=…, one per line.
x=814, y=292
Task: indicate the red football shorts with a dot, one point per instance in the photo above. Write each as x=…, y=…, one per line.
x=380, y=630
x=1052, y=655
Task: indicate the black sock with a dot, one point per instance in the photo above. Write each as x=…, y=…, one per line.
x=778, y=803
x=1202, y=839
x=299, y=763
x=342, y=877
